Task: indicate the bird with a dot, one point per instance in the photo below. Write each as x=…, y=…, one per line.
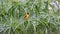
x=26, y=16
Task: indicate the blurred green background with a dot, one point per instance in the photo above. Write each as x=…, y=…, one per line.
x=44, y=17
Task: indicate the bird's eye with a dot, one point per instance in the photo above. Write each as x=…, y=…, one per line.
x=28, y=13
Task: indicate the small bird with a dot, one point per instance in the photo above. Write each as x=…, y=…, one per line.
x=26, y=16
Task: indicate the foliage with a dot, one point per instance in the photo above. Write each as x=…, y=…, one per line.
x=42, y=20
